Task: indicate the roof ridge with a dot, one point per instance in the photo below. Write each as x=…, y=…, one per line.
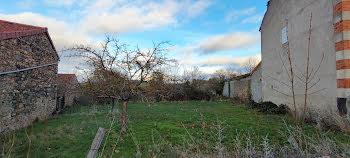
x=10, y=30
x=256, y=67
x=31, y=26
x=16, y=34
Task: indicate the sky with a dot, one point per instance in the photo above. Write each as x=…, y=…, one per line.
x=209, y=34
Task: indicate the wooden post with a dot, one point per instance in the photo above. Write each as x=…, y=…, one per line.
x=96, y=143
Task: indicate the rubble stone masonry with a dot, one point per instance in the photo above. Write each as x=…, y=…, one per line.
x=29, y=95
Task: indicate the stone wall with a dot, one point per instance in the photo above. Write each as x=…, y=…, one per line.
x=232, y=89
x=28, y=95
x=242, y=92
x=245, y=88
x=256, y=85
x=68, y=88
x=226, y=90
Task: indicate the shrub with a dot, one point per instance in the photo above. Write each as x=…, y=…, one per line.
x=269, y=108
x=342, y=123
x=83, y=100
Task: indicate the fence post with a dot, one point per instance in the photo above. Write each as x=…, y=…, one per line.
x=96, y=143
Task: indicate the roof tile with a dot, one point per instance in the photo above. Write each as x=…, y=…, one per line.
x=15, y=30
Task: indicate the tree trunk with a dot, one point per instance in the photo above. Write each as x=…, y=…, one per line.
x=112, y=110
x=125, y=106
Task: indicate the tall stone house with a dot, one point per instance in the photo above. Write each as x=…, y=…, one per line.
x=286, y=26
x=68, y=90
x=28, y=75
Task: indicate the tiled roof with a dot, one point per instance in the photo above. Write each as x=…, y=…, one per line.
x=9, y=30
x=7, y=26
x=15, y=30
x=247, y=74
x=256, y=67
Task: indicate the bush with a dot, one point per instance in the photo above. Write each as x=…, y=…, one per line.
x=83, y=100
x=269, y=108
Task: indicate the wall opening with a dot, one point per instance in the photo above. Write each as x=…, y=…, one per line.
x=284, y=35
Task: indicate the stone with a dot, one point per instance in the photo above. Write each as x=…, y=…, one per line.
x=29, y=94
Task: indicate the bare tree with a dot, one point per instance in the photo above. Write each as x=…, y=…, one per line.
x=193, y=73
x=225, y=74
x=249, y=65
x=118, y=72
x=246, y=67
x=306, y=77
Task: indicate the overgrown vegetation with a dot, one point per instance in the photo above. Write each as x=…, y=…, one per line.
x=177, y=129
x=269, y=108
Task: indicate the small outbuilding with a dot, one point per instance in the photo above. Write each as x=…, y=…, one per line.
x=28, y=75
x=245, y=88
x=68, y=90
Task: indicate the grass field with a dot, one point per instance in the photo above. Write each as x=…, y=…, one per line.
x=152, y=130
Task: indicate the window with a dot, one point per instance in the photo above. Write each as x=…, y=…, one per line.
x=284, y=34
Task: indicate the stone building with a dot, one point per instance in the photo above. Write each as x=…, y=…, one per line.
x=28, y=75
x=286, y=26
x=245, y=88
x=68, y=89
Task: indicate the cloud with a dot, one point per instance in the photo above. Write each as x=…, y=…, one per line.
x=71, y=64
x=253, y=19
x=60, y=2
x=61, y=33
x=233, y=15
x=196, y=8
x=129, y=19
x=222, y=61
x=225, y=42
x=106, y=16
x=123, y=16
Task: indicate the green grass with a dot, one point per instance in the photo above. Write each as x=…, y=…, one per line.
x=144, y=85
x=71, y=134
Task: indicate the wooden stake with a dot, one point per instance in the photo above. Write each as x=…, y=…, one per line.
x=96, y=143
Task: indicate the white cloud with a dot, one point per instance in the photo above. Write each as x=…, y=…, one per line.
x=125, y=16
x=253, y=19
x=61, y=33
x=128, y=19
x=197, y=7
x=222, y=61
x=74, y=65
x=233, y=15
x=225, y=42
x=60, y=2
x=106, y=16
x=211, y=65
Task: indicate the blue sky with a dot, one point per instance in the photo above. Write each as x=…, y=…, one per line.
x=210, y=34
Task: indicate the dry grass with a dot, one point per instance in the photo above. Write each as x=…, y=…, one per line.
x=182, y=129
x=342, y=122
x=298, y=145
